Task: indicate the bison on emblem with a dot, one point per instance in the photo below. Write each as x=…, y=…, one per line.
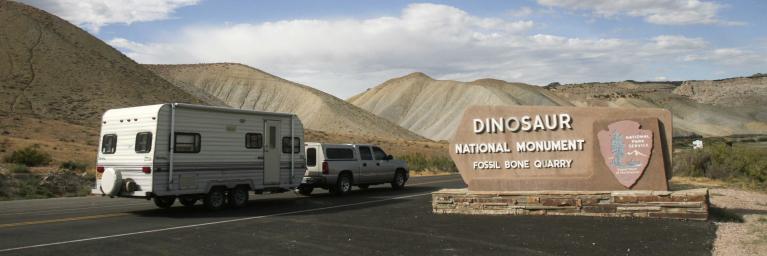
x=626, y=150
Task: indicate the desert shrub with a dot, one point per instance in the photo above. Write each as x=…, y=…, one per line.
x=29, y=156
x=73, y=166
x=19, y=168
x=718, y=161
x=419, y=162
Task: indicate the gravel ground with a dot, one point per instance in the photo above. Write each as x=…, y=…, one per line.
x=748, y=237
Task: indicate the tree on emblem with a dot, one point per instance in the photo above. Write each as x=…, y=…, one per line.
x=616, y=146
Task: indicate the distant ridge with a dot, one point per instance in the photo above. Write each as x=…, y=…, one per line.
x=245, y=87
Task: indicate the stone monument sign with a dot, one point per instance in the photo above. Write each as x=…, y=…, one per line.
x=528, y=148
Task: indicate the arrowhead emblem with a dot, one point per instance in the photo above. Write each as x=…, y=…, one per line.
x=626, y=150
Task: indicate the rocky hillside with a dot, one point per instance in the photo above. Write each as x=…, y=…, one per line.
x=51, y=69
x=432, y=108
x=244, y=87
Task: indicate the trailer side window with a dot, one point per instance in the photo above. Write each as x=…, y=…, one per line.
x=143, y=142
x=254, y=140
x=311, y=157
x=339, y=154
x=286, y=145
x=187, y=143
x=109, y=144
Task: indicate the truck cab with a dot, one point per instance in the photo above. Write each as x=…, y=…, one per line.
x=338, y=167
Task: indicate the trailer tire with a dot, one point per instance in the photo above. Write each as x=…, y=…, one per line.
x=305, y=191
x=238, y=197
x=343, y=185
x=188, y=201
x=399, y=180
x=215, y=199
x=164, y=202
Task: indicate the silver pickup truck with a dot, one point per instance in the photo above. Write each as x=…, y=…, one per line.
x=338, y=167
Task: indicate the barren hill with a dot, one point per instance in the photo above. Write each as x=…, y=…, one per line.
x=244, y=87
x=56, y=80
x=50, y=68
x=432, y=108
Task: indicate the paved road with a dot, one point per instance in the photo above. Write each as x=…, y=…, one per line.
x=378, y=221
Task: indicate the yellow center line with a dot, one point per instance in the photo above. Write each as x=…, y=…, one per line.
x=90, y=217
x=110, y=215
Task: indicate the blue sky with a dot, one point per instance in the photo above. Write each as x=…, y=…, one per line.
x=344, y=47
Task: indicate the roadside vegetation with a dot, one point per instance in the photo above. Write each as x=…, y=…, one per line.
x=738, y=165
x=25, y=175
x=420, y=163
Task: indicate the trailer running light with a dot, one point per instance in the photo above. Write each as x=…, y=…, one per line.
x=325, y=168
x=100, y=169
x=146, y=170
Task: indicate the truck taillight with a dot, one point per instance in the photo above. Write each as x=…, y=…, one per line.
x=146, y=170
x=325, y=168
x=100, y=169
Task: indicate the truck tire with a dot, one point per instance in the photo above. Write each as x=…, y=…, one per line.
x=215, y=199
x=187, y=201
x=305, y=191
x=238, y=197
x=164, y=202
x=399, y=180
x=343, y=185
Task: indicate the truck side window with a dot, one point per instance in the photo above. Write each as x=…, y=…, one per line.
x=254, y=140
x=286, y=145
x=339, y=154
x=365, y=153
x=187, y=143
x=143, y=142
x=379, y=154
x=311, y=157
x=109, y=144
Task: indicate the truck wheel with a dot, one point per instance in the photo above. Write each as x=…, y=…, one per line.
x=305, y=191
x=187, y=201
x=238, y=197
x=215, y=199
x=399, y=180
x=343, y=185
x=365, y=186
x=164, y=201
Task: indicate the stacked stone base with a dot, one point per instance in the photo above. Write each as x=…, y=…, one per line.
x=685, y=204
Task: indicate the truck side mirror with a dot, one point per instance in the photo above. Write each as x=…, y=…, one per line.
x=389, y=157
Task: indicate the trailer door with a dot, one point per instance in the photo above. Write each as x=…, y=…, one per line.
x=272, y=152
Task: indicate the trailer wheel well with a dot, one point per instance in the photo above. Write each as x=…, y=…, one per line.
x=222, y=187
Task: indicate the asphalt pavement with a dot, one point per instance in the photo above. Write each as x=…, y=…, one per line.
x=376, y=221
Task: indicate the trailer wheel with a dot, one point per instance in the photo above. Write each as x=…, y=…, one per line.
x=164, y=201
x=305, y=191
x=238, y=197
x=188, y=201
x=399, y=180
x=215, y=199
x=343, y=185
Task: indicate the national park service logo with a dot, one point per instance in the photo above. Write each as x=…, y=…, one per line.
x=626, y=150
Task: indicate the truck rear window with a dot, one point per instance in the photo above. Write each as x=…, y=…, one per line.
x=339, y=154
x=311, y=157
x=109, y=143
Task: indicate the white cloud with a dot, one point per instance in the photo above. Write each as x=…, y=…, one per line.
x=728, y=56
x=664, y=12
x=523, y=11
x=94, y=14
x=343, y=57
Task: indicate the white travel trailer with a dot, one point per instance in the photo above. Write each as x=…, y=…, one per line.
x=215, y=154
